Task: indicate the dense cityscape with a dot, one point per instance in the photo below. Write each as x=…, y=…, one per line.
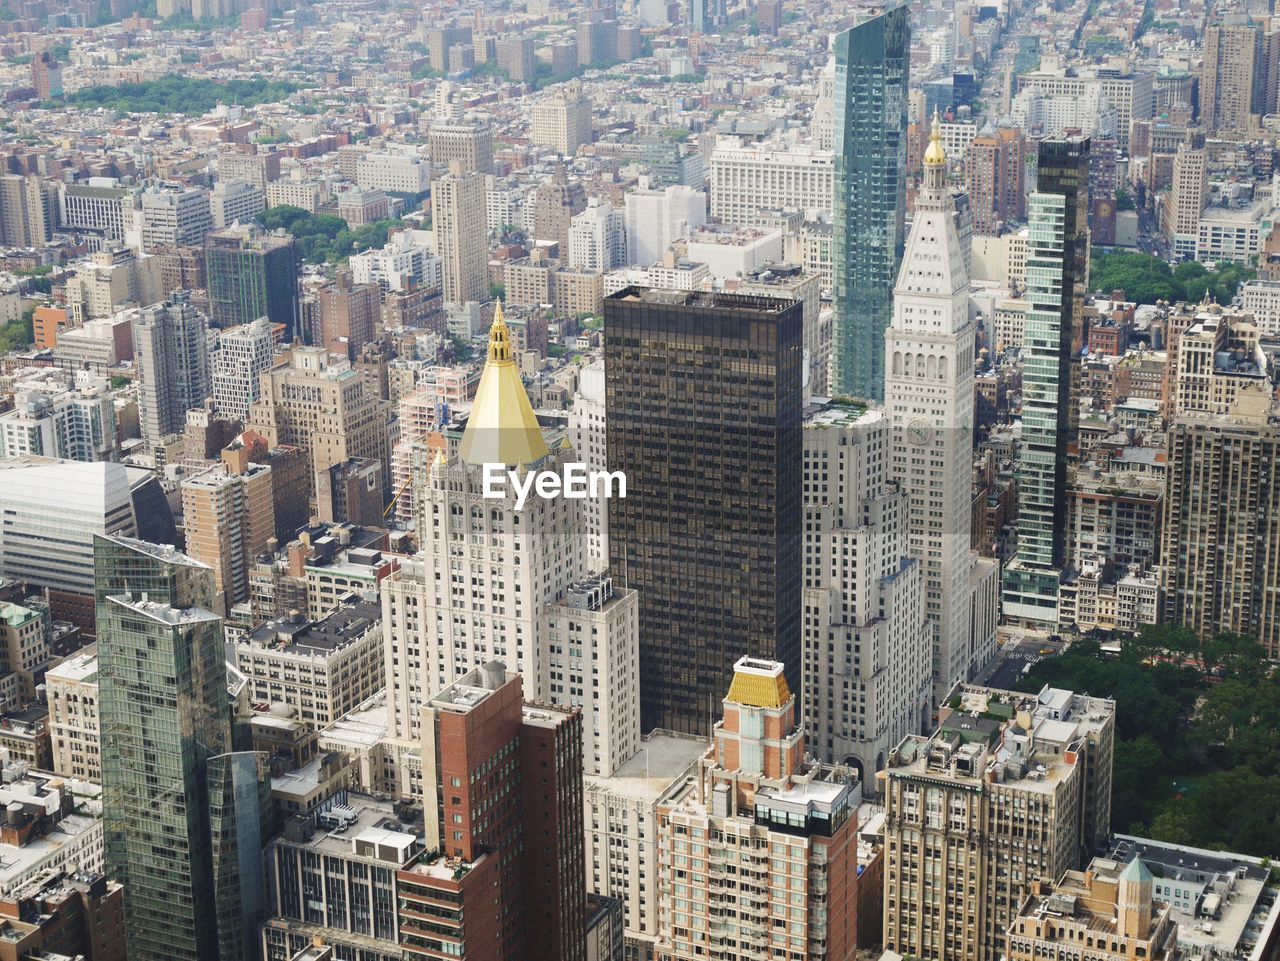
x=639, y=480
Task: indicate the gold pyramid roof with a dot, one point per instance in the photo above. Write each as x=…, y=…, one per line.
x=502, y=428
x=935, y=155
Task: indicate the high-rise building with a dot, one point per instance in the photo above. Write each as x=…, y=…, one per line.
x=929, y=360
x=995, y=179
x=1234, y=63
x=243, y=353
x=656, y=218
x=98, y=205
x=787, y=823
x=503, y=814
x=587, y=432
x=61, y=415
x=175, y=218
x=1010, y=789
x=555, y=203
x=573, y=638
x=1222, y=496
x=321, y=404
x=347, y=315
x=563, y=120
x=461, y=239
x=467, y=143
x=229, y=515
x=598, y=237
x=252, y=274
x=868, y=645
x=28, y=210
x=1184, y=202
x=46, y=76
x=703, y=403
x=1057, y=269
x=171, y=342
x=165, y=720
x=515, y=55
x=872, y=62
x=72, y=693
x=235, y=201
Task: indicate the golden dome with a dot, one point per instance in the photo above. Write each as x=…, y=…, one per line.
x=502, y=428
x=935, y=156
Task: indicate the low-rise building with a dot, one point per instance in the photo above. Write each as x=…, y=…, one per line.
x=321, y=669
x=71, y=690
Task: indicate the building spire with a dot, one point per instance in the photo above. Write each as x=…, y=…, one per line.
x=501, y=428
x=935, y=158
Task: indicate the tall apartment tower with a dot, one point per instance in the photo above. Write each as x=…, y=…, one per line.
x=321, y=404
x=28, y=210
x=171, y=344
x=252, y=274
x=929, y=357
x=503, y=812
x=995, y=178
x=175, y=218
x=872, y=63
x=166, y=730
x=1234, y=64
x=1011, y=788
x=243, y=353
x=466, y=142
x=347, y=315
x=1184, y=202
x=457, y=215
x=787, y=823
x=868, y=646
x=703, y=416
x=1057, y=273
x=562, y=121
x=521, y=591
x=229, y=515
x=1222, y=494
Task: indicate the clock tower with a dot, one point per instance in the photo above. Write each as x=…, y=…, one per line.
x=929, y=354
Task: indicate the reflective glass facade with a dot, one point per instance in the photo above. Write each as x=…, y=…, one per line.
x=872, y=61
x=704, y=416
x=1057, y=264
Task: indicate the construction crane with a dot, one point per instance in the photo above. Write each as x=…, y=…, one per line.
x=403, y=488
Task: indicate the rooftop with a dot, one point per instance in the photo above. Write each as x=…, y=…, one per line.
x=296, y=636
x=663, y=757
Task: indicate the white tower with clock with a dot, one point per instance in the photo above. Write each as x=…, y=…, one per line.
x=929, y=354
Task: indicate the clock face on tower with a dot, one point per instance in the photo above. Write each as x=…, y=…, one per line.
x=919, y=432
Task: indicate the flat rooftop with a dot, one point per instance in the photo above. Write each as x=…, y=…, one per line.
x=663, y=757
x=299, y=636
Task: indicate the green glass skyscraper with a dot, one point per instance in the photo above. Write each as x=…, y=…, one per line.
x=872, y=61
x=168, y=797
x=251, y=274
x=1057, y=265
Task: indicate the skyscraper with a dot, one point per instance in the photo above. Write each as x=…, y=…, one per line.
x=165, y=713
x=171, y=343
x=250, y=275
x=522, y=593
x=1057, y=267
x=787, y=824
x=868, y=645
x=929, y=396
x=872, y=62
x=1233, y=76
x=347, y=315
x=503, y=814
x=703, y=404
x=995, y=178
x=461, y=236
x=243, y=353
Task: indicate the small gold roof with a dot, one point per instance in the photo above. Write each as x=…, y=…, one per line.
x=935, y=156
x=502, y=428
x=758, y=683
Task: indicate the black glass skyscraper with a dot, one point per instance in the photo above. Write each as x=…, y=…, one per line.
x=703, y=415
x=872, y=61
x=251, y=274
x=1057, y=261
